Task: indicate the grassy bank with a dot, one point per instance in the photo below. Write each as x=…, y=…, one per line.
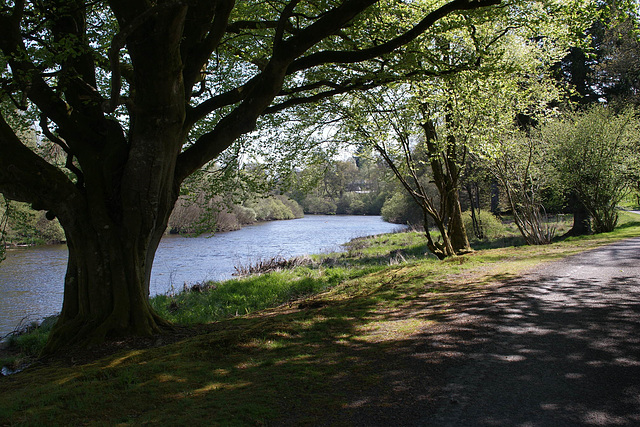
x=338, y=328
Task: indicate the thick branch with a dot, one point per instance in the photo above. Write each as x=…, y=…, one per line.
x=44, y=125
x=70, y=45
x=282, y=24
x=219, y=101
x=26, y=177
x=127, y=27
x=199, y=22
x=344, y=57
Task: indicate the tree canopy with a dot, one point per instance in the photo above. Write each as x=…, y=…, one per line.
x=481, y=77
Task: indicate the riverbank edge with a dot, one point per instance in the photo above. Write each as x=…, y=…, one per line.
x=31, y=335
x=277, y=264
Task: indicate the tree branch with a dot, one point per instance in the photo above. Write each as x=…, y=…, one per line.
x=282, y=24
x=44, y=125
x=264, y=87
x=26, y=177
x=29, y=78
x=77, y=75
x=307, y=37
x=345, y=57
x=213, y=20
x=351, y=85
x=219, y=101
x=118, y=43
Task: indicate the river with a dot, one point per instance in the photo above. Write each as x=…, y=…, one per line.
x=32, y=279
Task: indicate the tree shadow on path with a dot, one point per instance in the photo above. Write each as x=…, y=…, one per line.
x=560, y=347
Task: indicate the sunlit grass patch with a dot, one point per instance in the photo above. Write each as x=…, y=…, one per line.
x=244, y=296
x=392, y=329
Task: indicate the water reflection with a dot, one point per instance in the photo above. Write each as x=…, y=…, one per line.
x=31, y=279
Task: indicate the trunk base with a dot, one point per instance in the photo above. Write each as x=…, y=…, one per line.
x=83, y=331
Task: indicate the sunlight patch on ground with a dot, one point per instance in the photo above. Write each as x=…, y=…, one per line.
x=391, y=330
x=120, y=360
x=165, y=378
x=70, y=378
x=218, y=386
x=262, y=343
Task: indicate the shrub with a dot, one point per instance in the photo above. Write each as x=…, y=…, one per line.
x=295, y=208
x=275, y=208
x=596, y=157
x=244, y=214
x=402, y=209
x=492, y=227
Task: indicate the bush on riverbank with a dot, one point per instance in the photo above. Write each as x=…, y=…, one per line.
x=195, y=216
x=274, y=208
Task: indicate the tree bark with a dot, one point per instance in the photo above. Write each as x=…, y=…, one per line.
x=581, y=222
x=112, y=238
x=495, y=197
x=456, y=228
x=106, y=286
x=474, y=203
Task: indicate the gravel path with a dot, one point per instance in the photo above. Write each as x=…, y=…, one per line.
x=558, y=347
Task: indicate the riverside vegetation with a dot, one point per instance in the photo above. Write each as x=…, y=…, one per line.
x=285, y=346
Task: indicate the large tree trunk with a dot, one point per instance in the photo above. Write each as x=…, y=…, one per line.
x=115, y=221
x=107, y=280
x=581, y=222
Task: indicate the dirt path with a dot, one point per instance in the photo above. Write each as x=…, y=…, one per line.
x=558, y=347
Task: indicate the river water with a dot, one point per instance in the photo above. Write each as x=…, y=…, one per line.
x=31, y=279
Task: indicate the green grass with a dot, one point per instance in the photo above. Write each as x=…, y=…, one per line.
x=631, y=201
x=244, y=296
x=247, y=295
x=285, y=364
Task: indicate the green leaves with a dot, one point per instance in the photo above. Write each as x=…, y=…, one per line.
x=596, y=156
